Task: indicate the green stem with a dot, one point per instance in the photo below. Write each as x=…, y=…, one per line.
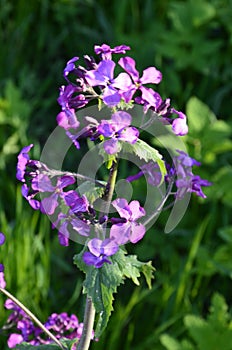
x=88, y=325
x=110, y=187
x=89, y=316
x=32, y=316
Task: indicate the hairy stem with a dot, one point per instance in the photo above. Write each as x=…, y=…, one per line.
x=88, y=325
x=32, y=316
x=89, y=307
x=110, y=187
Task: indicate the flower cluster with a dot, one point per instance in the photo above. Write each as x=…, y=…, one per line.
x=179, y=173
x=2, y=279
x=56, y=193
x=62, y=326
x=97, y=81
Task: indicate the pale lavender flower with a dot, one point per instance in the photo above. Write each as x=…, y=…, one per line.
x=117, y=129
x=129, y=230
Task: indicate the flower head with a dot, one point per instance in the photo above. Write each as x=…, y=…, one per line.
x=106, y=52
x=129, y=230
x=99, y=251
x=117, y=129
x=150, y=75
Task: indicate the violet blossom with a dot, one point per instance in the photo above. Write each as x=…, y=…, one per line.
x=99, y=251
x=42, y=183
x=103, y=76
x=117, y=129
x=62, y=326
x=130, y=230
x=186, y=180
x=23, y=159
x=150, y=75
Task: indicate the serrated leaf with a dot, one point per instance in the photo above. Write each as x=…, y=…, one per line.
x=101, y=284
x=144, y=151
x=91, y=191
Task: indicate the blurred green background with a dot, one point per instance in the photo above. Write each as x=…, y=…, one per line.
x=190, y=41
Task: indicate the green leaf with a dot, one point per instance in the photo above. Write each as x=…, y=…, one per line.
x=91, y=191
x=65, y=342
x=144, y=151
x=199, y=115
x=101, y=284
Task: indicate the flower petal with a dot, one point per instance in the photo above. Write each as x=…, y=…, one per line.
x=137, y=232
x=128, y=64
x=120, y=233
x=151, y=75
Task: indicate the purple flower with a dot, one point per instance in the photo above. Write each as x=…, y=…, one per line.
x=23, y=159
x=186, y=160
x=2, y=238
x=150, y=75
x=75, y=202
x=70, y=66
x=179, y=125
x=62, y=326
x=191, y=184
x=67, y=120
x=42, y=183
x=99, y=251
x=2, y=278
x=14, y=339
x=106, y=52
x=29, y=196
x=103, y=76
x=117, y=129
x=186, y=180
x=129, y=230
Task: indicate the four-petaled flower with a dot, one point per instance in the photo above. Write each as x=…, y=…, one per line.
x=150, y=75
x=103, y=76
x=99, y=251
x=42, y=183
x=117, y=129
x=130, y=230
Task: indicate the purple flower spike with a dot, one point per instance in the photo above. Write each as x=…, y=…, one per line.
x=99, y=251
x=131, y=231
